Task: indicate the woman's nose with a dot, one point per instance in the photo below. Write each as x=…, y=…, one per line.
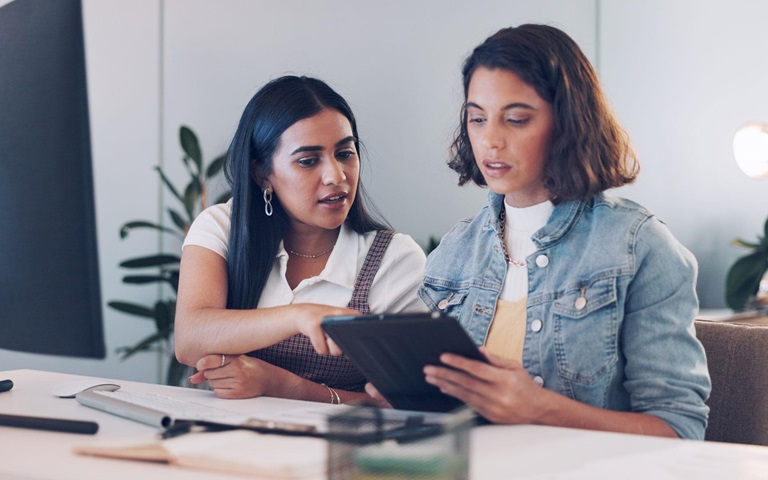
x=333, y=173
x=493, y=137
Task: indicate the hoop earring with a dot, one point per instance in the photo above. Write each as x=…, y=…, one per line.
x=268, y=201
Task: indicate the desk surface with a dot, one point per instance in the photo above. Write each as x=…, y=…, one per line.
x=497, y=452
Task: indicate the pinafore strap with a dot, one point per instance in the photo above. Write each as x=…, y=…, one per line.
x=296, y=353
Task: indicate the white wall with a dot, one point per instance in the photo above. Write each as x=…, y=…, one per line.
x=678, y=75
x=682, y=78
x=396, y=62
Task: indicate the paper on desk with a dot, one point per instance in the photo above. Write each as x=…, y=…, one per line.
x=234, y=451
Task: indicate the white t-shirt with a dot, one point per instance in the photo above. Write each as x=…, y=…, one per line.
x=521, y=224
x=393, y=289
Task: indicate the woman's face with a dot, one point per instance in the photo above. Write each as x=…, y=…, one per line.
x=509, y=127
x=315, y=170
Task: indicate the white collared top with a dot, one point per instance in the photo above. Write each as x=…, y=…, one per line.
x=393, y=289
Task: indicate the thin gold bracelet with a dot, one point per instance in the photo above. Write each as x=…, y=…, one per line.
x=330, y=390
x=336, y=394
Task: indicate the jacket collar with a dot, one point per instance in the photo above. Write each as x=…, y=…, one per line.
x=563, y=218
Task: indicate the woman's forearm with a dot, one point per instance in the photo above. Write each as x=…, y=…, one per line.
x=205, y=331
x=562, y=411
x=296, y=387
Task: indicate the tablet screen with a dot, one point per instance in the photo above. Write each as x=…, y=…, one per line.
x=391, y=350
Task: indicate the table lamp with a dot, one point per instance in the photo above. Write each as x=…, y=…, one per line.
x=750, y=147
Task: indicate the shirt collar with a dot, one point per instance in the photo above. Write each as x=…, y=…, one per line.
x=341, y=267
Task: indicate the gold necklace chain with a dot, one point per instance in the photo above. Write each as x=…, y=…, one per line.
x=502, y=227
x=318, y=255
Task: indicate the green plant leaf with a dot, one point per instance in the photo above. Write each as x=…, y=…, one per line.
x=163, y=316
x=191, y=195
x=765, y=229
x=127, y=227
x=176, y=372
x=191, y=146
x=743, y=243
x=146, y=344
x=151, y=261
x=432, y=244
x=743, y=279
x=173, y=278
x=168, y=184
x=178, y=220
x=132, y=308
x=224, y=197
x=144, y=279
x=216, y=166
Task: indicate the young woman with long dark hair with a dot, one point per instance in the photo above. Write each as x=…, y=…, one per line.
x=296, y=243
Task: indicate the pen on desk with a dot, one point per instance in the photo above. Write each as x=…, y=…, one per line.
x=5, y=385
x=178, y=428
x=45, y=423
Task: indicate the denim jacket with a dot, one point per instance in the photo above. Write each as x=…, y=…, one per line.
x=610, y=308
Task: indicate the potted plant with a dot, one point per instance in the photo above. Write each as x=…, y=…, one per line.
x=744, y=276
x=163, y=268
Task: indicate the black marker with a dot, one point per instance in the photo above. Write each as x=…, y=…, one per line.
x=5, y=385
x=55, y=424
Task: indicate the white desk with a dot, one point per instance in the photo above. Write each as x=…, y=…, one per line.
x=497, y=452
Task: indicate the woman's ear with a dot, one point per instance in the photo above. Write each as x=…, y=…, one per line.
x=259, y=179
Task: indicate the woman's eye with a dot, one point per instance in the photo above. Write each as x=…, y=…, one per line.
x=518, y=121
x=345, y=154
x=477, y=120
x=307, y=161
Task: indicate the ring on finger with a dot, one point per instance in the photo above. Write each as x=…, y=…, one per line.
x=223, y=360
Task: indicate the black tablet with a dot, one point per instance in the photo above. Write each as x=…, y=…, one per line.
x=392, y=349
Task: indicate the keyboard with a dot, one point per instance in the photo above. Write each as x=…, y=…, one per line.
x=154, y=409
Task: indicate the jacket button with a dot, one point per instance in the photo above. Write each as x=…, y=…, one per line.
x=538, y=381
x=536, y=325
x=580, y=303
x=443, y=303
x=542, y=261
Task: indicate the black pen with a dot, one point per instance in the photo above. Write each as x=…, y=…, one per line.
x=178, y=428
x=5, y=385
x=44, y=423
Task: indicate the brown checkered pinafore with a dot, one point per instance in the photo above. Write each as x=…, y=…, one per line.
x=296, y=353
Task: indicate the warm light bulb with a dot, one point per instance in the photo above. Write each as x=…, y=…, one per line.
x=750, y=147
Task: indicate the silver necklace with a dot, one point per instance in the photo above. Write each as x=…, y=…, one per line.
x=502, y=222
x=318, y=255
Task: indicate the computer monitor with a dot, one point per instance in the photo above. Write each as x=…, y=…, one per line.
x=50, y=299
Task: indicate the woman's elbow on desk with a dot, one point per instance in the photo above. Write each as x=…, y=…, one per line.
x=188, y=351
x=184, y=355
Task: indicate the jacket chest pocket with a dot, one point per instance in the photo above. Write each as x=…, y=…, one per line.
x=447, y=300
x=586, y=331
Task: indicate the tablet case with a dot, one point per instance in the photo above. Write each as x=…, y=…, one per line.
x=392, y=349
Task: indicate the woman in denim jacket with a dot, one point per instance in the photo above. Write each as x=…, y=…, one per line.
x=587, y=296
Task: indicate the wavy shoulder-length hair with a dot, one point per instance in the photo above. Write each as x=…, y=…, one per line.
x=254, y=237
x=589, y=152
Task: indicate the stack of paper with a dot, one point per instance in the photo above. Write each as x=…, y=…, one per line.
x=234, y=451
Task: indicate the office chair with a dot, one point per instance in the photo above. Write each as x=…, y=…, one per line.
x=737, y=356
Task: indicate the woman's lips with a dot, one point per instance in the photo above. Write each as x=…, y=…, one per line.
x=494, y=168
x=334, y=200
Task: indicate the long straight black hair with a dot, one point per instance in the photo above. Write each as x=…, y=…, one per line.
x=254, y=237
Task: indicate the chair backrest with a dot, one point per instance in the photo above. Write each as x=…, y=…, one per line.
x=737, y=356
